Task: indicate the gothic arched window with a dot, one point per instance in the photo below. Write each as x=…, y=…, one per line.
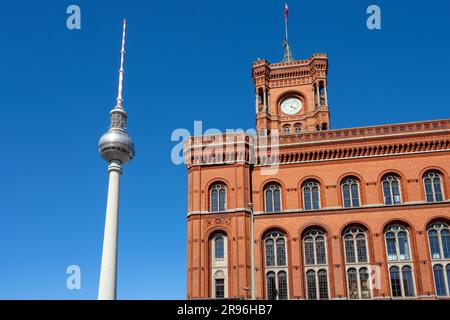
x=311, y=196
x=399, y=261
x=433, y=187
x=298, y=128
x=316, y=267
x=350, y=193
x=391, y=190
x=218, y=197
x=272, y=195
x=286, y=129
x=357, y=263
x=276, y=266
x=439, y=242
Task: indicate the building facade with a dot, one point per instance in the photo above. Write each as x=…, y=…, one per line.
x=359, y=213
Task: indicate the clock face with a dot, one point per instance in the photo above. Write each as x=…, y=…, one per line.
x=291, y=105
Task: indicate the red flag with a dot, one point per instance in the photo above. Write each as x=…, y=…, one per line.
x=286, y=11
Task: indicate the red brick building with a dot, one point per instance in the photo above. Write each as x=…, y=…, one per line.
x=359, y=213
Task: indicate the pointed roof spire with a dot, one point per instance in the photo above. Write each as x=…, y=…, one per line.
x=287, y=50
x=121, y=71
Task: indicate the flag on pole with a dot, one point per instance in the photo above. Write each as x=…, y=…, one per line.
x=286, y=11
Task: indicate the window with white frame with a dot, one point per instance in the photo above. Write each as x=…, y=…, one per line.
x=272, y=195
x=316, y=265
x=400, y=264
x=298, y=128
x=218, y=197
x=276, y=266
x=439, y=243
x=357, y=263
x=311, y=195
x=350, y=193
x=433, y=187
x=391, y=190
x=219, y=266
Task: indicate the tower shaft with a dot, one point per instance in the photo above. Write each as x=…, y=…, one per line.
x=108, y=274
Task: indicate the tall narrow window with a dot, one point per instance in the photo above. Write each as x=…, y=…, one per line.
x=433, y=187
x=316, y=270
x=391, y=190
x=271, y=286
x=219, y=249
x=272, y=194
x=298, y=128
x=439, y=280
x=396, y=286
x=352, y=278
x=220, y=288
x=219, y=266
x=218, y=194
x=282, y=285
x=311, y=197
x=311, y=284
x=439, y=243
x=408, y=284
x=276, y=266
x=350, y=193
x=357, y=263
x=399, y=261
x=323, y=284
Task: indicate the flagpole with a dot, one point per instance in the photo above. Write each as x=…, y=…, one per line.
x=286, y=27
x=287, y=51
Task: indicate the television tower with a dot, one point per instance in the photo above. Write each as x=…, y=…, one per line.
x=117, y=148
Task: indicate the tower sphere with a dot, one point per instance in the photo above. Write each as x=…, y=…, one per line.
x=116, y=144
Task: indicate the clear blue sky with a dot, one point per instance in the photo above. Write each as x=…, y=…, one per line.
x=185, y=61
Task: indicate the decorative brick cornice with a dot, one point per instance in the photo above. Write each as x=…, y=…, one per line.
x=357, y=210
x=364, y=142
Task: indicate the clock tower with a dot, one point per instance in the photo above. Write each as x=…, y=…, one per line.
x=291, y=96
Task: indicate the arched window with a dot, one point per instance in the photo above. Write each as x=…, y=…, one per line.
x=357, y=263
x=399, y=261
x=311, y=196
x=219, y=266
x=439, y=241
x=272, y=194
x=350, y=193
x=316, y=267
x=298, y=128
x=355, y=243
x=391, y=190
x=397, y=243
x=276, y=266
x=218, y=197
x=286, y=129
x=433, y=187
x=219, y=248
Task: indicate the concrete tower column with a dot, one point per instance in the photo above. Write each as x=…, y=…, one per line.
x=108, y=274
